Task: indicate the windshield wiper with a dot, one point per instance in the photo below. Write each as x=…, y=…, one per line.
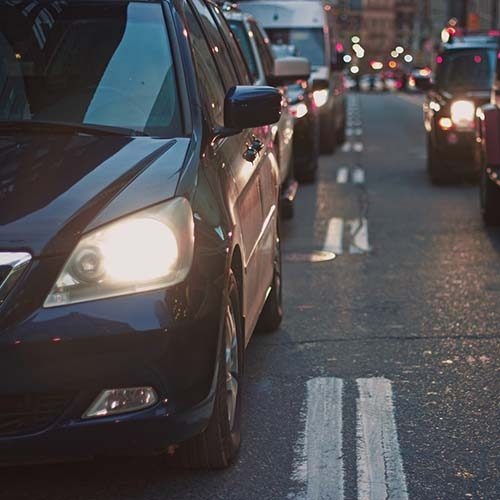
x=63, y=127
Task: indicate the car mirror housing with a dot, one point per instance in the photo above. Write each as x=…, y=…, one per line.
x=290, y=69
x=248, y=106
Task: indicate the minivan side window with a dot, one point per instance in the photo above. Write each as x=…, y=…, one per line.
x=235, y=51
x=264, y=49
x=217, y=45
x=209, y=79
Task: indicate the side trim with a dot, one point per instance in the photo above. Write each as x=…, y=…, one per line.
x=263, y=231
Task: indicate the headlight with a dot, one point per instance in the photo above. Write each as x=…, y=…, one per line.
x=462, y=114
x=320, y=97
x=147, y=250
x=298, y=110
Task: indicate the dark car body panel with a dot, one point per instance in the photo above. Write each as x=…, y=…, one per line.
x=167, y=338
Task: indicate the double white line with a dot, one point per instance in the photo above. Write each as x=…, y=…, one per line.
x=357, y=175
x=320, y=466
x=358, y=236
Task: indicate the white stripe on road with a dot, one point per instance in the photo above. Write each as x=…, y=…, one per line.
x=346, y=147
x=379, y=462
x=358, y=229
x=334, y=233
x=342, y=175
x=321, y=466
x=358, y=147
x=358, y=176
x=358, y=131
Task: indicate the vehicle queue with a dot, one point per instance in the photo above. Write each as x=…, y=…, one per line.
x=131, y=283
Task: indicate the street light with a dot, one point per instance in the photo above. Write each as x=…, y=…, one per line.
x=399, y=49
x=408, y=58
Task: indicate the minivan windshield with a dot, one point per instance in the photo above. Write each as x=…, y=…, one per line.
x=308, y=42
x=101, y=65
x=466, y=69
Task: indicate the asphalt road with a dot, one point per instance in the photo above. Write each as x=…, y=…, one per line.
x=384, y=381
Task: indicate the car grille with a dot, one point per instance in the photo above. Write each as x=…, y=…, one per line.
x=28, y=413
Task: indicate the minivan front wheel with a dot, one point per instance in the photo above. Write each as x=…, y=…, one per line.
x=218, y=445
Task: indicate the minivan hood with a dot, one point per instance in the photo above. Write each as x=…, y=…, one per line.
x=52, y=187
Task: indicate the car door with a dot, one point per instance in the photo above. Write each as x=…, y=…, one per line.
x=232, y=153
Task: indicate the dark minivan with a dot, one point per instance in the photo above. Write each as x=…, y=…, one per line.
x=139, y=242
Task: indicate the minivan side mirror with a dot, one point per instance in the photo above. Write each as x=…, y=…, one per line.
x=289, y=69
x=248, y=106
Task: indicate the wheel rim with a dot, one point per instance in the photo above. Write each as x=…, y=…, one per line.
x=232, y=366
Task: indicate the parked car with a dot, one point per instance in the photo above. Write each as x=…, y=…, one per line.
x=464, y=76
x=139, y=240
x=309, y=25
x=265, y=70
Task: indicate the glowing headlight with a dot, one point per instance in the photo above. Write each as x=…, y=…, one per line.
x=298, y=110
x=320, y=97
x=462, y=113
x=145, y=251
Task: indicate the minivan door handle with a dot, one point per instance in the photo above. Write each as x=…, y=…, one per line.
x=257, y=144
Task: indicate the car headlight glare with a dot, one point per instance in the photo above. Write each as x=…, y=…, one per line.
x=320, y=97
x=298, y=110
x=145, y=251
x=462, y=113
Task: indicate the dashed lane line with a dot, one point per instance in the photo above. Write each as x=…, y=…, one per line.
x=342, y=175
x=334, y=236
x=358, y=230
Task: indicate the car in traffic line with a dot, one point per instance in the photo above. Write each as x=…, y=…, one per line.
x=465, y=69
x=139, y=230
x=266, y=70
x=309, y=26
x=487, y=154
x=306, y=124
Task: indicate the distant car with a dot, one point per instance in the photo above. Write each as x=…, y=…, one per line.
x=488, y=158
x=419, y=77
x=371, y=83
x=464, y=76
x=266, y=70
x=311, y=27
x=139, y=230
x=306, y=124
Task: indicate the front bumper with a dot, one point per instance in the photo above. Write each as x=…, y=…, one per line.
x=56, y=362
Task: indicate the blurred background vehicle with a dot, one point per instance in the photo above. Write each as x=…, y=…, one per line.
x=465, y=69
x=309, y=26
x=266, y=70
x=306, y=124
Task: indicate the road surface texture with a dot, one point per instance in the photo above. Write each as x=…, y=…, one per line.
x=384, y=381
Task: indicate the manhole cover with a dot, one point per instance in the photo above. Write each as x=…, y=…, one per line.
x=315, y=256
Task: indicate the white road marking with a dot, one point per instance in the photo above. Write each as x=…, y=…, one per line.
x=358, y=228
x=342, y=175
x=358, y=147
x=321, y=467
x=358, y=132
x=349, y=131
x=334, y=234
x=346, y=147
x=379, y=462
x=358, y=176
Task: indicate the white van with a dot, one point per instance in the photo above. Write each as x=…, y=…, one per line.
x=308, y=26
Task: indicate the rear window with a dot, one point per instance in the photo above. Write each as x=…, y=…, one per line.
x=467, y=69
x=103, y=64
x=308, y=42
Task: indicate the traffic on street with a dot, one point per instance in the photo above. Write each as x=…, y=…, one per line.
x=233, y=267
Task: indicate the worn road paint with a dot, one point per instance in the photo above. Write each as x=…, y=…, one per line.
x=342, y=175
x=379, y=463
x=320, y=467
x=346, y=147
x=334, y=234
x=358, y=147
x=358, y=176
x=358, y=229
